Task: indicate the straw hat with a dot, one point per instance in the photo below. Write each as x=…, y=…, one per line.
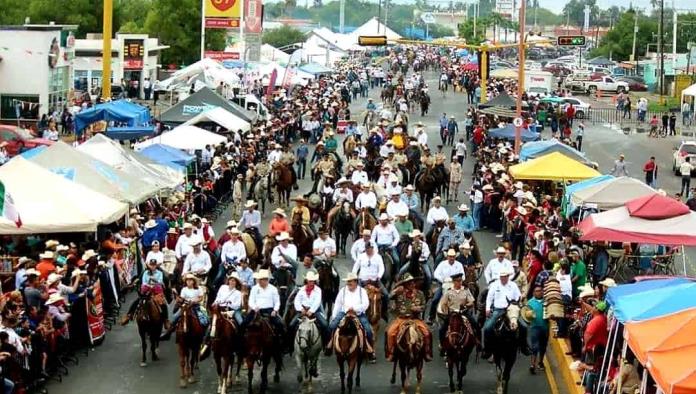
x=586, y=293
x=53, y=278
x=527, y=314
x=405, y=279
x=350, y=276
x=283, y=236
x=367, y=232
x=279, y=211
x=52, y=243
x=190, y=276
x=415, y=233
x=383, y=216
x=500, y=250
x=89, y=253
x=54, y=299
x=46, y=255
x=262, y=274
x=231, y=223
x=32, y=271
x=505, y=272
x=463, y=208
x=311, y=276
x=451, y=253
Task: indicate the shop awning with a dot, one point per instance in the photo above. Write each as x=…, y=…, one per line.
x=508, y=132
x=644, y=302
x=553, y=167
x=611, y=194
x=117, y=111
x=532, y=150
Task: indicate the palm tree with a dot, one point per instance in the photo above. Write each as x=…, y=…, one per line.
x=289, y=6
x=496, y=20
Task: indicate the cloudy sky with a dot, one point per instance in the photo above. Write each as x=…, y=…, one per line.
x=557, y=5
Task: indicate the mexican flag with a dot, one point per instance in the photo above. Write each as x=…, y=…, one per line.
x=7, y=208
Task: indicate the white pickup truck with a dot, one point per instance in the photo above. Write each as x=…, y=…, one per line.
x=603, y=84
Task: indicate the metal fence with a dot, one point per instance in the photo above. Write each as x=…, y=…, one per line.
x=611, y=115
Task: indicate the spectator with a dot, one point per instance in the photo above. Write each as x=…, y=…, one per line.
x=538, y=331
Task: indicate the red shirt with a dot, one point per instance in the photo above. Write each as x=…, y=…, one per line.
x=596, y=332
x=46, y=267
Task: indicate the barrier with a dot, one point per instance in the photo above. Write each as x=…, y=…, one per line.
x=570, y=378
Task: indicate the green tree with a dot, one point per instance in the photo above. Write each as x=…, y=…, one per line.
x=618, y=42
x=282, y=36
x=544, y=17
x=575, y=11
x=466, y=31
x=13, y=12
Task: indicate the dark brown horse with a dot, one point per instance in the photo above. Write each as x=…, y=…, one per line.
x=282, y=179
x=189, y=337
x=302, y=235
x=261, y=347
x=458, y=344
x=150, y=320
x=349, y=344
x=409, y=353
x=329, y=284
x=225, y=345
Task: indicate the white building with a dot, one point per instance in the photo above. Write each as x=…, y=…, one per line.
x=134, y=58
x=35, y=70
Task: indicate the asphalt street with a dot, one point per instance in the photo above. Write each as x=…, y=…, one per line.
x=113, y=366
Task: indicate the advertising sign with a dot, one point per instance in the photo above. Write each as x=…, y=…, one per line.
x=505, y=7
x=221, y=55
x=222, y=14
x=253, y=16
x=95, y=314
x=133, y=54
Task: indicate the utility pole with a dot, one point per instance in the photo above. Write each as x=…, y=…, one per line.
x=674, y=39
x=386, y=15
x=520, y=70
x=635, y=34
x=661, y=49
x=106, y=48
x=342, y=16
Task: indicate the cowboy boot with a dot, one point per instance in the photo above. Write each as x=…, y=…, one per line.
x=168, y=333
x=428, y=343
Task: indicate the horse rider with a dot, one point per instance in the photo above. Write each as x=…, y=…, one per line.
x=443, y=271
x=457, y=299
x=330, y=142
x=263, y=169
x=412, y=201
x=370, y=268
x=343, y=192
x=393, y=185
x=183, y=244
x=366, y=199
x=417, y=240
x=501, y=294
x=409, y=303
x=439, y=157
x=301, y=209
x=251, y=221
x=449, y=236
x=385, y=236
x=463, y=220
x=371, y=106
x=274, y=155
x=403, y=225
x=396, y=207
x=324, y=247
x=284, y=253
x=465, y=257
x=197, y=262
x=308, y=304
x=233, y=251
x=287, y=158
x=264, y=301
x=359, y=176
x=496, y=265
x=279, y=223
x=246, y=274
x=192, y=295
x=323, y=168
x=229, y=301
x=436, y=213
x=152, y=285
x=358, y=246
x=352, y=299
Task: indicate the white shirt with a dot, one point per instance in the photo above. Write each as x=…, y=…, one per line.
x=685, y=169
x=492, y=271
x=445, y=270
x=477, y=197
x=197, y=262
x=385, y=235
x=425, y=251
x=312, y=301
x=393, y=189
x=435, y=214
x=366, y=200
x=274, y=156
x=357, y=249
x=356, y=300
x=499, y=295
x=397, y=208
x=191, y=295
x=369, y=267
x=423, y=139
x=183, y=245
x=359, y=177
x=232, y=250
x=158, y=256
x=228, y=297
x=260, y=298
x=566, y=284
x=346, y=195
x=277, y=259
x=15, y=340
x=326, y=246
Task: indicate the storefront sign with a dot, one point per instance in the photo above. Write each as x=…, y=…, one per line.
x=95, y=314
x=253, y=16
x=221, y=23
x=196, y=109
x=221, y=56
x=133, y=54
x=222, y=14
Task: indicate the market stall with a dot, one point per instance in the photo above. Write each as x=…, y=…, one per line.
x=168, y=156
x=121, y=111
x=221, y=117
x=201, y=101
x=610, y=194
x=508, y=132
x=186, y=138
x=534, y=149
x=553, y=167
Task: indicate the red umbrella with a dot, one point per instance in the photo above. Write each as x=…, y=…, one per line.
x=470, y=67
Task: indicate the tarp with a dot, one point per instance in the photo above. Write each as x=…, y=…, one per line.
x=65, y=206
x=673, y=370
x=570, y=189
x=81, y=168
x=611, y=194
x=207, y=72
x=660, y=299
x=118, y=111
x=168, y=156
x=553, y=167
x=508, y=132
x=534, y=149
x=201, y=101
x=129, y=133
x=185, y=138
x=656, y=206
x=617, y=293
x=221, y=117
x=662, y=333
x=502, y=100
x=112, y=153
x=315, y=69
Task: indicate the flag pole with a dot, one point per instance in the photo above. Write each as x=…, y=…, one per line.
x=202, y=29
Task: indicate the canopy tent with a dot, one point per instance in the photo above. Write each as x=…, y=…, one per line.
x=612, y=193
x=202, y=101
x=689, y=92
x=186, y=138
x=374, y=25
x=500, y=112
x=168, y=156
x=208, y=71
x=315, y=69
x=222, y=117
x=662, y=333
x=617, y=293
x=117, y=111
x=532, y=150
x=673, y=369
x=269, y=53
x=299, y=77
x=570, y=189
x=129, y=133
x=655, y=302
x=81, y=168
x=553, y=167
x=508, y=133
x=69, y=207
x=502, y=100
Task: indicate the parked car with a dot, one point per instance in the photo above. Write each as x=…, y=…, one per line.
x=19, y=140
x=606, y=84
x=582, y=109
x=559, y=71
x=686, y=149
x=636, y=84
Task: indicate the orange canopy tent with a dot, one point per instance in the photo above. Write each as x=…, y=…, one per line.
x=667, y=346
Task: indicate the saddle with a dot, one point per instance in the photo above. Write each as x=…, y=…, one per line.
x=410, y=325
x=358, y=343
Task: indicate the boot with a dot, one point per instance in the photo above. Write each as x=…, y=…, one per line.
x=428, y=343
x=328, y=349
x=205, y=350
x=126, y=319
x=167, y=334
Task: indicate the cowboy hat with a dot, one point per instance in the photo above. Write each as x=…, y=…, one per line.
x=405, y=279
x=22, y=260
x=190, y=276
x=519, y=185
x=150, y=224
x=283, y=236
x=196, y=242
x=350, y=276
x=437, y=198
x=465, y=245
x=32, y=271
x=54, y=298
x=586, y=293
x=53, y=278
x=451, y=252
x=235, y=231
x=383, y=216
x=234, y=275
x=250, y=203
x=78, y=273
x=46, y=255
x=463, y=208
x=608, y=282
x=279, y=211
x=52, y=243
x=171, y=230
x=311, y=276
x=262, y=274
x=505, y=272
x=299, y=199
x=89, y=253
x=366, y=232
x=410, y=187
x=187, y=226
x=341, y=181
x=415, y=233
x=500, y=249
x=527, y=313
x=230, y=223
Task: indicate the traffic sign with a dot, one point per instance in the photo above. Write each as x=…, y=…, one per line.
x=427, y=18
x=572, y=41
x=517, y=122
x=372, y=41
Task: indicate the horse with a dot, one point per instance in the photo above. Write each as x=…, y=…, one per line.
x=150, y=320
x=225, y=345
x=458, y=345
x=369, y=121
x=189, y=337
x=427, y=186
x=251, y=247
x=342, y=226
x=329, y=284
x=415, y=220
x=387, y=94
x=283, y=280
x=389, y=267
x=350, y=346
x=433, y=235
x=260, y=193
x=307, y=349
x=302, y=235
x=269, y=243
x=349, y=143
x=504, y=346
x=364, y=221
x=409, y=353
x=283, y=183
x=374, y=311
x=261, y=347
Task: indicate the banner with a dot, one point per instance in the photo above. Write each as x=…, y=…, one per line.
x=291, y=68
x=221, y=55
x=95, y=314
x=253, y=16
x=222, y=14
x=133, y=54
x=271, y=83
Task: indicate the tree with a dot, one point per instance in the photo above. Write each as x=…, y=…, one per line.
x=575, y=11
x=618, y=42
x=544, y=17
x=466, y=31
x=13, y=12
x=282, y=36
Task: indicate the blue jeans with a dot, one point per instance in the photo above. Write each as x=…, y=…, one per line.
x=489, y=325
x=8, y=386
x=476, y=215
x=436, y=300
x=363, y=321
x=392, y=251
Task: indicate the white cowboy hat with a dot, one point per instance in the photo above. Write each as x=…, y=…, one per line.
x=262, y=274
x=22, y=260
x=463, y=208
x=32, y=271
x=395, y=192
x=88, y=254
x=437, y=198
x=187, y=226
x=519, y=185
x=52, y=243
x=62, y=248
x=383, y=216
x=410, y=187
x=311, y=276
x=78, y=273
x=231, y=223
x=500, y=249
x=150, y=224
x=250, y=203
x=505, y=272
x=54, y=298
x=235, y=231
x=451, y=252
x=283, y=236
x=415, y=233
x=46, y=255
x=608, y=282
x=234, y=275
x=350, y=276
x=586, y=293
x=53, y=278
x=366, y=232
x=279, y=211
x=190, y=276
x=196, y=242
x=341, y=181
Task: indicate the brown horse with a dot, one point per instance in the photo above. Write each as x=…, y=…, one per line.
x=302, y=236
x=269, y=243
x=349, y=146
x=225, y=345
x=189, y=337
x=374, y=311
x=150, y=320
x=350, y=345
x=364, y=221
x=458, y=344
x=261, y=347
x=283, y=182
x=409, y=353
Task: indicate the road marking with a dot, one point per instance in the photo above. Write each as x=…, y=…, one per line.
x=549, y=376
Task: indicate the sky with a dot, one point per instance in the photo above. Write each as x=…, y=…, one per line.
x=557, y=5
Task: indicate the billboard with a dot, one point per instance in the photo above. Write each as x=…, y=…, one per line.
x=222, y=14
x=133, y=54
x=505, y=7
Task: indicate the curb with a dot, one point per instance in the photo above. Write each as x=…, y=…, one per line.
x=570, y=378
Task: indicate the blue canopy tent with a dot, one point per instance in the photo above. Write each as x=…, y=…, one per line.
x=143, y=112
x=570, y=189
x=168, y=156
x=315, y=69
x=508, y=133
x=532, y=150
x=133, y=115
x=651, y=298
x=129, y=133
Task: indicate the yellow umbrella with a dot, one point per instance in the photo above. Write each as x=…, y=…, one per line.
x=553, y=167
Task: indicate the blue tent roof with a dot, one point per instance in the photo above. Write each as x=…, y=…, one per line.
x=167, y=155
x=508, y=132
x=28, y=154
x=532, y=150
x=649, y=299
x=129, y=133
x=570, y=189
x=315, y=69
x=118, y=111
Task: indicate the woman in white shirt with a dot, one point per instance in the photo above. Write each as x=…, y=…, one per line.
x=229, y=297
x=155, y=254
x=192, y=295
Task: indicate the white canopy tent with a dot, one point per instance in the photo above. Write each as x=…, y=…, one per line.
x=69, y=207
x=689, y=95
x=269, y=53
x=221, y=117
x=206, y=71
x=185, y=137
x=374, y=27
x=265, y=70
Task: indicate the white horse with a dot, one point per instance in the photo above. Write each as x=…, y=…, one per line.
x=260, y=194
x=307, y=349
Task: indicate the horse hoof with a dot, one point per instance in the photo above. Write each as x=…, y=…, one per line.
x=143, y=364
x=192, y=379
x=299, y=378
x=182, y=383
x=392, y=380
